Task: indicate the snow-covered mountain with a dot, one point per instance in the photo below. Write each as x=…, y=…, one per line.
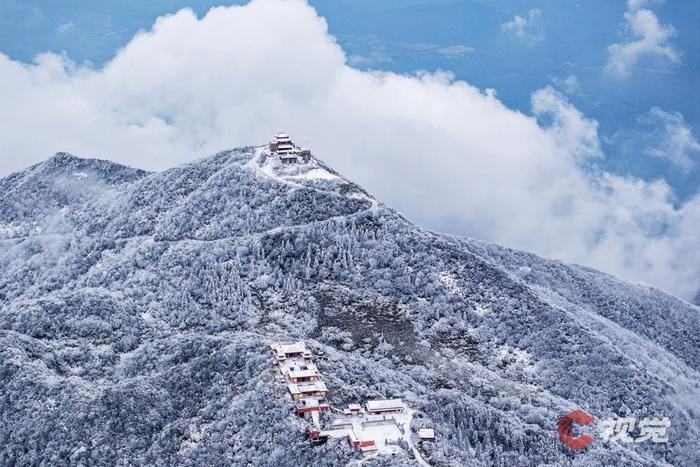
x=137, y=311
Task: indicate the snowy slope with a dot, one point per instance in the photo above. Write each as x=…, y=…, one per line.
x=137, y=309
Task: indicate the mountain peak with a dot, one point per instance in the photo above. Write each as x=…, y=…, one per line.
x=173, y=285
x=111, y=172
x=62, y=158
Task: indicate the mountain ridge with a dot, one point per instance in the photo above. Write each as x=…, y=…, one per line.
x=154, y=298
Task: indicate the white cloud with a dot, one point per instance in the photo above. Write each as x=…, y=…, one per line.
x=567, y=126
x=647, y=38
x=65, y=28
x=374, y=58
x=569, y=85
x=671, y=138
x=450, y=156
x=638, y=4
x=454, y=51
x=526, y=29
x=419, y=46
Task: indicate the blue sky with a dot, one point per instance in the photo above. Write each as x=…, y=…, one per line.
x=564, y=39
x=564, y=128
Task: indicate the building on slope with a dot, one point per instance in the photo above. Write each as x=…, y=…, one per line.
x=303, y=375
x=352, y=409
x=283, y=147
x=384, y=406
x=311, y=404
x=284, y=351
x=361, y=441
x=378, y=428
x=304, y=390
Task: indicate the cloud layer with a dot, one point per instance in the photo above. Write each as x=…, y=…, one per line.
x=453, y=51
x=647, y=38
x=525, y=29
x=449, y=155
x=671, y=138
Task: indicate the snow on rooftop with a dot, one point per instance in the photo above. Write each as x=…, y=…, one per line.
x=426, y=433
x=303, y=373
x=388, y=404
x=382, y=430
x=298, y=365
x=301, y=388
x=289, y=348
x=308, y=402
